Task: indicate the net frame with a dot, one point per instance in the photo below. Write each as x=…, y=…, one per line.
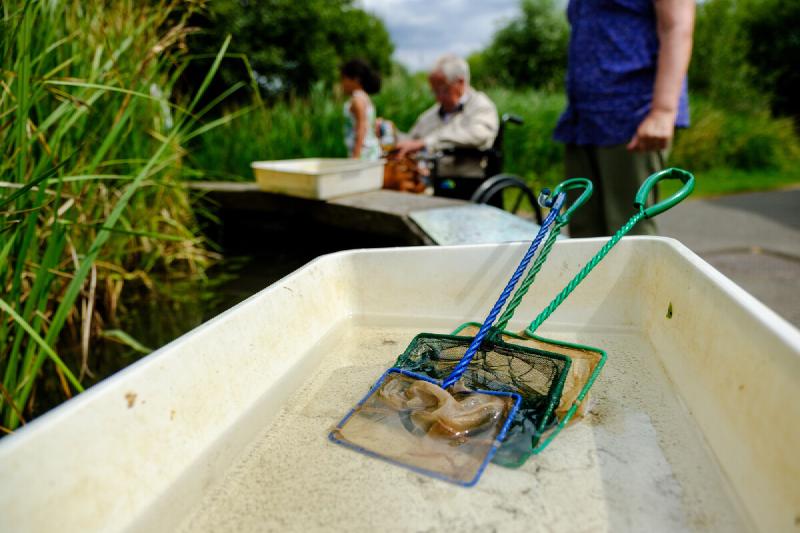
x=335, y=433
x=540, y=442
x=552, y=397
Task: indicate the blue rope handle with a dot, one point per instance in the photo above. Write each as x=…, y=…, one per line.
x=462, y=365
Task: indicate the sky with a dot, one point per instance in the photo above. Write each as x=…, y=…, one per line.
x=422, y=30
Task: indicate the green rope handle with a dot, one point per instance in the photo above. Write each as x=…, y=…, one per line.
x=561, y=221
x=644, y=212
x=515, y=300
x=547, y=311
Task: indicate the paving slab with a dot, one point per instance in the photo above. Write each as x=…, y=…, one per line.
x=473, y=224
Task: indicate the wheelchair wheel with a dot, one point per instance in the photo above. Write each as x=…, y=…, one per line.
x=491, y=190
x=462, y=189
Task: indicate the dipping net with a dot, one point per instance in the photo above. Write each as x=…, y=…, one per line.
x=446, y=413
x=538, y=376
x=411, y=421
x=585, y=365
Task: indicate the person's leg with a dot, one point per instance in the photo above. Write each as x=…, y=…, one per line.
x=589, y=220
x=622, y=173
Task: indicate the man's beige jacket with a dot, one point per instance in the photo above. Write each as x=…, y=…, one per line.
x=474, y=126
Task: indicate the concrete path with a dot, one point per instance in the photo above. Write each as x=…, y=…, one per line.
x=754, y=239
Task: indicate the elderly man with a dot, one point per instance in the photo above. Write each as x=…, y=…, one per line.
x=461, y=118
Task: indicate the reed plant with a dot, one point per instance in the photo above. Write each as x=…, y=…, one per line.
x=288, y=128
x=93, y=147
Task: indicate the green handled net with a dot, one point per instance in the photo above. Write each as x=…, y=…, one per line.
x=529, y=436
x=448, y=420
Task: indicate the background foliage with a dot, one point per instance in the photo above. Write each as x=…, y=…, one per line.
x=743, y=55
x=742, y=91
x=529, y=52
x=289, y=45
x=774, y=46
x=91, y=198
x=740, y=79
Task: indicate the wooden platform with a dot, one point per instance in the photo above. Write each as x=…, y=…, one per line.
x=410, y=219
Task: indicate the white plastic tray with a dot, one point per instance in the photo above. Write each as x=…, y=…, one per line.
x=320, y=178
x=695, y=425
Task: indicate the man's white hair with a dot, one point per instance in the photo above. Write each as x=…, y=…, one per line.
x=453, y=68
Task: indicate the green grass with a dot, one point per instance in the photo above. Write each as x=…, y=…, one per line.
x=719, y=138
x=311, y=127
x=721, y=181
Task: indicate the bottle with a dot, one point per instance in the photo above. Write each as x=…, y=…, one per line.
x=386, y=135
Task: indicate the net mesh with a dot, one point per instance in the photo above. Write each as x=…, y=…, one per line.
x=536, y=375
x=408, y=420
x=584, y=364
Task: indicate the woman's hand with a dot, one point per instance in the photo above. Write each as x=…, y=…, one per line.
x=655, y=132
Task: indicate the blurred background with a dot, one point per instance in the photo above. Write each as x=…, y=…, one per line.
x=744, y=118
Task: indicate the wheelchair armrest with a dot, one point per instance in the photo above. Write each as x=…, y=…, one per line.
x=514, y=119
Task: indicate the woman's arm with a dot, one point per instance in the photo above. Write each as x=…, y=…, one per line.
x=675, y=24
x=358, y=108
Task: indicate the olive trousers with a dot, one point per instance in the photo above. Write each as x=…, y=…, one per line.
x=616, y=174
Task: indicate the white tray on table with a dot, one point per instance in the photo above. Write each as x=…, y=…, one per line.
x=318, y=178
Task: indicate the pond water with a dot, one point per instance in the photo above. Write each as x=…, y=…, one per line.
x=256, y=255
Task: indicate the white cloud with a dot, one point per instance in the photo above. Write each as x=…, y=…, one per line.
x=422, y=30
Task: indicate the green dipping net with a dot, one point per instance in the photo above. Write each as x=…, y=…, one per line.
x=585, y=364
x=537, y=423
x=448, y=419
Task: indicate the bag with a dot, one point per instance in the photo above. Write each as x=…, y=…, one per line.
x=402, y=174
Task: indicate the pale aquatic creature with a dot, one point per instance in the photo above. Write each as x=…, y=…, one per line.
x=436, y=411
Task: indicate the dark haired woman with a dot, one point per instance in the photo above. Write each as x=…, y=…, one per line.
x=358, y=79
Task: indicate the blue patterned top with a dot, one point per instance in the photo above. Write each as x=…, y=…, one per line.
x=371, y=149
x=613, y=54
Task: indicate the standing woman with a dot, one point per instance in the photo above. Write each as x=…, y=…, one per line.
x=626, y=91
x=358, y=82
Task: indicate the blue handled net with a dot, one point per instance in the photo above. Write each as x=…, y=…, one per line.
x=448, y=423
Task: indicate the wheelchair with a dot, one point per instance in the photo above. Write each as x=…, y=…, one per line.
x=490, y=188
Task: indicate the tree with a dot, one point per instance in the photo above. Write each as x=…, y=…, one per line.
x=530, y=51
x=774, y=46
x=743, y=55
x=290, y=44
x=719, y=68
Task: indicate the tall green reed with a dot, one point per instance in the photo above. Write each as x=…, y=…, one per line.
x=288, y=128
x=90, y=195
